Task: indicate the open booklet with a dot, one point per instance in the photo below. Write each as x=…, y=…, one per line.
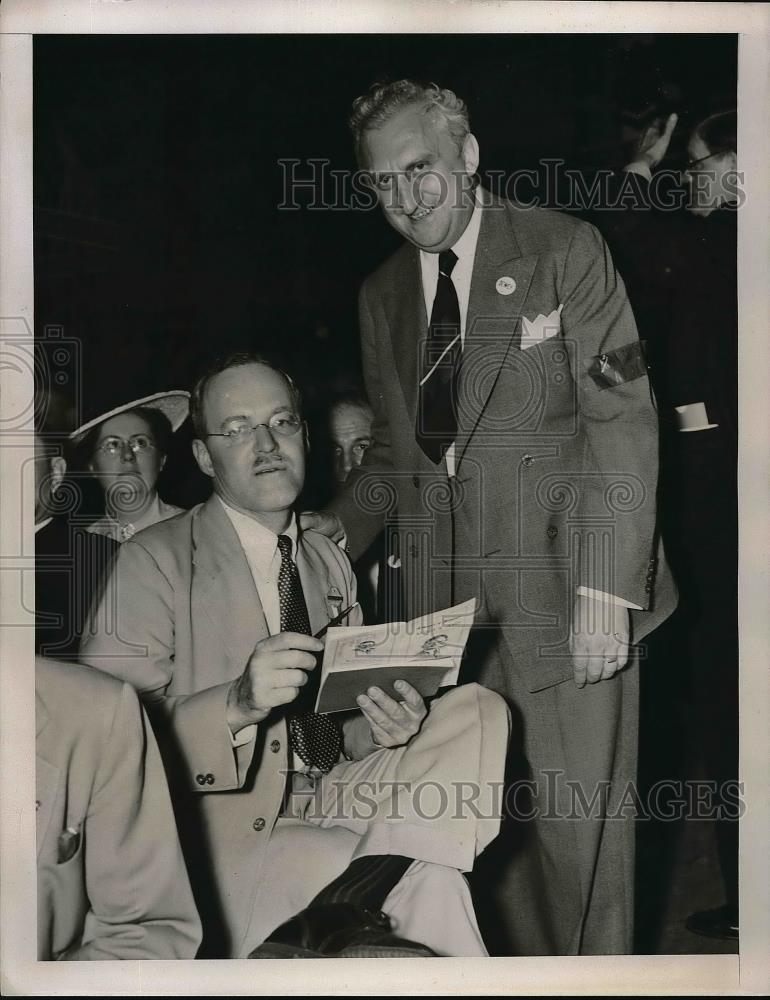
x=425, y=652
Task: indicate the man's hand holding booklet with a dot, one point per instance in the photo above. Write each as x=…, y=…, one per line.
x=426, y=652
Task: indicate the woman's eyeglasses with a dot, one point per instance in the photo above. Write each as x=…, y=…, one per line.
x=138, y=443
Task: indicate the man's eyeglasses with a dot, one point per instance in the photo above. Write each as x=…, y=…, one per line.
x=138, y=443
x=239, y=430
x=701, y=159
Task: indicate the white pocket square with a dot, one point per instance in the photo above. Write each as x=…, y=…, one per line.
x=535, y=331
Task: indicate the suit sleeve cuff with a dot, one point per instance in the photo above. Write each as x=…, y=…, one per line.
x=639, y=167
x=214, y=761
x=600, y=595
x=244, y=736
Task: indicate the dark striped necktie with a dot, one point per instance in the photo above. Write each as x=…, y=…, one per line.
x=316, y=739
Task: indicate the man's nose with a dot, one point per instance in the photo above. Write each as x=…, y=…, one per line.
x=407, y=195
x=264, y=439
x=127, y=453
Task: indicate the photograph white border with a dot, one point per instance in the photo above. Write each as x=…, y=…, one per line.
x=20, y=973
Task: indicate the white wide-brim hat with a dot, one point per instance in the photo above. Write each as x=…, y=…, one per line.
x=175, y=404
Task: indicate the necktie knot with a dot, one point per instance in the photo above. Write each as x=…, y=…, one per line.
x=446, y=262
x=284, y=545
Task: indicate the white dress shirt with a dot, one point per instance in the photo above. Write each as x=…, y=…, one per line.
x=260, y=546
x=465, y=250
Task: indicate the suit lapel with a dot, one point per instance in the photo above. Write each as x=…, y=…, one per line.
x=493, y=324
x=317, y=586
x=225, y=593
x=404, y=306
x=46, y=790
x=46, y=774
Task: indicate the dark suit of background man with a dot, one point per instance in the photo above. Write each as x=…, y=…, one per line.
x=71, y=564
x=522, y=457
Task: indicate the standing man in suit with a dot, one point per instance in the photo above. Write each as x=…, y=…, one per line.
x=111, y=880
x=216, y=615
x=516, y=432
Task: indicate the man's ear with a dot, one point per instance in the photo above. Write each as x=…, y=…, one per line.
x=202, y=457
x=58, y=471
x=470, y=154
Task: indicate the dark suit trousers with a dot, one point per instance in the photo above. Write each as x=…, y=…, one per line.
x=559, y=880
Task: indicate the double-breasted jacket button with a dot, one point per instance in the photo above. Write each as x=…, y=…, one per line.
x=209, y=779
x=201, y=779
x=552, y=531
x=258, y=824
x=275, y=746
x=527, y=460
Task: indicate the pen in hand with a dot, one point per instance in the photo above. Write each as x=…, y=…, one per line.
x=335, y=621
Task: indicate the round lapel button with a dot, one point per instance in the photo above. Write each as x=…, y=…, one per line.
x=505, y=285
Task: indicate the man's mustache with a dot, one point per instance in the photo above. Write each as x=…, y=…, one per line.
x=267, y=465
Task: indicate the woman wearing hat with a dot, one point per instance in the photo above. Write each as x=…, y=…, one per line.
x=125, y=450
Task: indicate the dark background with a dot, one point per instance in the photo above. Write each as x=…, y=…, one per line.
x=158, y=240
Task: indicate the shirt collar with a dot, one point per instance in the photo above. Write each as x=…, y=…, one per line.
x=111, y=526
x=151, y=516
x=258, y=541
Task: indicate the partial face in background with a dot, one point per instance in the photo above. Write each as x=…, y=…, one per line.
x=350, y=429
x=421, y=177
x=49, y=472
x=127, y=474
x=711, y=178
x=263, y=472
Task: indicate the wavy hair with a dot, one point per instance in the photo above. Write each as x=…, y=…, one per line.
x=383, y=100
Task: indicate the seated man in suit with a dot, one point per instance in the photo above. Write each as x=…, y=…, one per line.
x=111, y=880
x=71, y=564
x=296, y=829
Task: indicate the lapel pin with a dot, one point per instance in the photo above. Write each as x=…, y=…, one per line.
x=505, y=285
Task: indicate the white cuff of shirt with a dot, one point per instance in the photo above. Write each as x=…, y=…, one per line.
x=600, y=595
x=639, y=167
x=244, y=736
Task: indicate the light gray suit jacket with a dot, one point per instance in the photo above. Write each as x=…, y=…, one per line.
x=111, y=881
x=180, y=622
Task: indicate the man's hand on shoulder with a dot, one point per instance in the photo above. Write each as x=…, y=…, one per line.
x=393, y=723
x=277, y=669
x=599, y=639
x=324, y=522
